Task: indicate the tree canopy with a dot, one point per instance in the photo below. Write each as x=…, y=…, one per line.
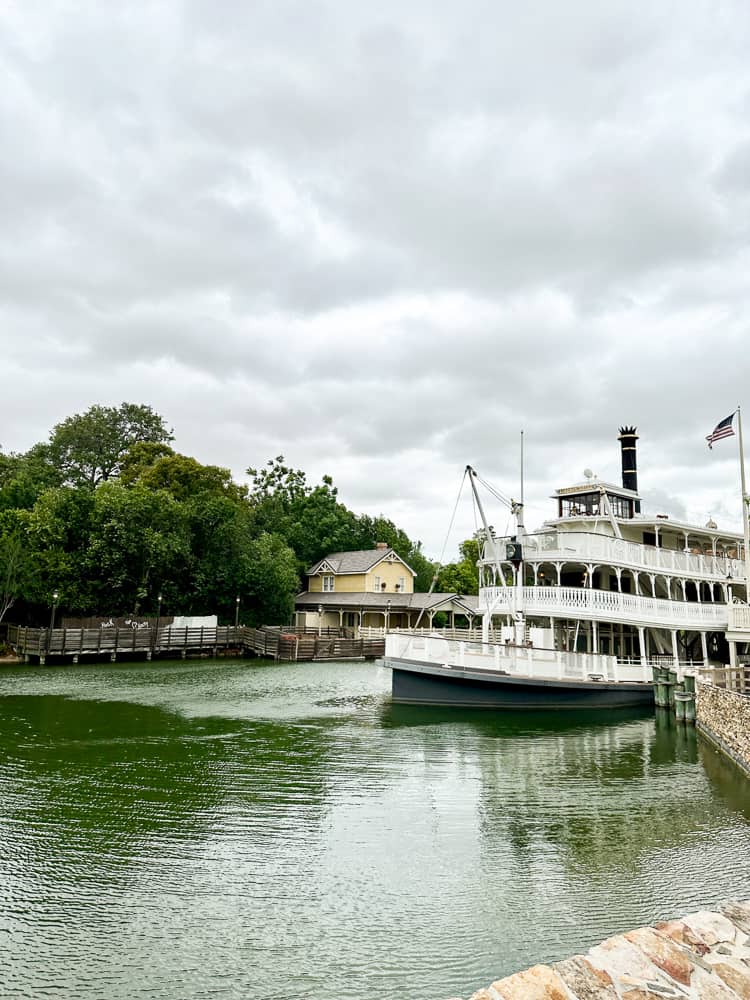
x=109, y=515
x=461, y=577
x=89, y=447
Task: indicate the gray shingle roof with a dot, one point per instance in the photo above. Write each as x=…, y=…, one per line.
x=358, y=561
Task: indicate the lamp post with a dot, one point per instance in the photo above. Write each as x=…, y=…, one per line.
x=387, y=614
x=237, y=611
x=320, y=612
x=55, y=596
x=158, y=619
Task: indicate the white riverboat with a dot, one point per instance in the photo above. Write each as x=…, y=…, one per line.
x=577, y=613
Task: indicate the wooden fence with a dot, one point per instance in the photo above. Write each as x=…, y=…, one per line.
x=270, y=642
x=731, y=678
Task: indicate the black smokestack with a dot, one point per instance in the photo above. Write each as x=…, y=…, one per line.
x=627, y=440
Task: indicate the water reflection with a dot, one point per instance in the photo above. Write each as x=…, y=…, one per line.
x=284, y=831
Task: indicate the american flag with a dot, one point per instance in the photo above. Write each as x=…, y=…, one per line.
x=723, y=429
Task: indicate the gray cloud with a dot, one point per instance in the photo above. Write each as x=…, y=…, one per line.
x=382, y=242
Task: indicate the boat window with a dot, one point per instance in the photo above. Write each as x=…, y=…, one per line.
x=584, y=505
x=619, y=506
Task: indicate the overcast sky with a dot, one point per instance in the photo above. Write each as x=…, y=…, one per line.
x=381, y=239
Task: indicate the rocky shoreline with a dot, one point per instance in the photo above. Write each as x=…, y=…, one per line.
x=703, y=956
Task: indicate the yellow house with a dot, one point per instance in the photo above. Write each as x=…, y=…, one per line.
x=366, y=571
x=371, y=588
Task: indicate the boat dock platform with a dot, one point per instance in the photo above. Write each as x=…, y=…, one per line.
x=37, y=645
x=703, y=956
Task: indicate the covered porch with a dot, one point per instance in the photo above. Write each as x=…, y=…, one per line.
x=352, y=612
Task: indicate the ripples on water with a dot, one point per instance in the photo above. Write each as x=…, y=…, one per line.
x=281, y=831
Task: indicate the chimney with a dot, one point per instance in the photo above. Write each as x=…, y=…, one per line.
x=627, y=439
x=381, y=545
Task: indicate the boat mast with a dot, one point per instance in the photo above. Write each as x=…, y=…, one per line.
x=513, y=554
x=745, y=501
x=471, y=473
x=519, y=623
x=518, y=507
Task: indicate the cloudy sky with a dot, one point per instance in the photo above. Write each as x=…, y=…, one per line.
x=381, y=239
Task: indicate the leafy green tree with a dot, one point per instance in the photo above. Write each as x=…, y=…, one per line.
x=158, y=467
x=140, y=457
x=15, y=566
x=221, y=538
x=310, y=519
x=269, y=581
x=23, y=478
x=56, y=537
x=89, y=447
x=314, y=522
x=380, y=529
x=461, y=577
x=139, y=545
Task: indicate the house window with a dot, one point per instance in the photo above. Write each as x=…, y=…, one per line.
x=327, y=584
x=377, y=583
x=401, y=585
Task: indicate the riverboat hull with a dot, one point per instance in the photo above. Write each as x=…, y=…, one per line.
x=421, y=683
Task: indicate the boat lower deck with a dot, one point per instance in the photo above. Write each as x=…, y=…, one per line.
x=422, y=683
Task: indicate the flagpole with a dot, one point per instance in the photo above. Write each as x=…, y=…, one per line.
x=745, y=524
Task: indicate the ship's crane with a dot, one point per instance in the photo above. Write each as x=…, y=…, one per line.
x=513, y=553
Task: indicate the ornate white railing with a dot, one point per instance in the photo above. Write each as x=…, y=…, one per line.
x=739, y=617
x=603, y=605
x=553, y=664
x=588, y=547
x=469, y=634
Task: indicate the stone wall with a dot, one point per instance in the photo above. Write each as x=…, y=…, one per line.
x=723, y=717
x=704, y=956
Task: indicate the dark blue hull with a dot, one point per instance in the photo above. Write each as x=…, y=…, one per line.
x=429, y=684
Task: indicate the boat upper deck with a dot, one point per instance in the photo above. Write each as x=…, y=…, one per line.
x=587, y=546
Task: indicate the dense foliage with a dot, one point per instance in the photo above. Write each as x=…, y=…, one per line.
x=107, y=514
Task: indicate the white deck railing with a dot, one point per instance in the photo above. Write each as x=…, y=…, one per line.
x=522, y=661
x=739, y=617
x=588, y=547
x=603, y=605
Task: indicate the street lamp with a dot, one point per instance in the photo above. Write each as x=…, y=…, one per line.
x=387, y=614
x=320, y=612
x=237, y=611
x=159, y=598
x=55, y=596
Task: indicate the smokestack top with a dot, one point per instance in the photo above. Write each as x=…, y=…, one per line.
x=629, y=432
x=627, y=439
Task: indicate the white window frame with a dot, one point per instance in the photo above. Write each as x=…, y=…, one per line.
x=328, y=584
x=376, y=585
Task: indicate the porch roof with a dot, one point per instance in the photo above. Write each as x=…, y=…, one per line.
x=379, y=601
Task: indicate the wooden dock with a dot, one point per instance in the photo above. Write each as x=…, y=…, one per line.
x=37, y=645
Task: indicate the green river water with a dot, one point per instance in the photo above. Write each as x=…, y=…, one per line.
x=282, y=832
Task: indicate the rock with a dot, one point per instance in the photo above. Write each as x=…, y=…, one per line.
x=663, y=953
x=584, y=981
x=538, y=983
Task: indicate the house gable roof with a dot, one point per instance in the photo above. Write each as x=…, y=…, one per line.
x=358, y=561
